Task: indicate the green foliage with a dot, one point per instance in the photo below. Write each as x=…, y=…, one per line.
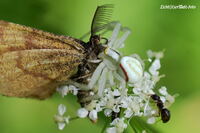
x=176, y=31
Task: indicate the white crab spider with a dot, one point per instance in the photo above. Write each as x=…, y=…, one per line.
x=131, y=66
x=108, y=69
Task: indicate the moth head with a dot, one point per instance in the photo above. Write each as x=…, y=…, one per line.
x=95, y=39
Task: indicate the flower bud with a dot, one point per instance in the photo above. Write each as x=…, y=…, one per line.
x=82, y=113
x=93, y=115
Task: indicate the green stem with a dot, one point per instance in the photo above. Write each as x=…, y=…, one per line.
x=105, y=125
x=129, y=129
x=73, y=118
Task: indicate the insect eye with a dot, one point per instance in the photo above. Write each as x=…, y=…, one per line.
x=132, y=68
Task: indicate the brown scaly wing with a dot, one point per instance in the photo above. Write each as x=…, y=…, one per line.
x=33, y=62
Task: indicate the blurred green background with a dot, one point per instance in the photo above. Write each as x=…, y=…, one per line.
x=176, y=31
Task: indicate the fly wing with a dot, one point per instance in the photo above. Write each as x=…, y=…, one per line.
x=33, y=62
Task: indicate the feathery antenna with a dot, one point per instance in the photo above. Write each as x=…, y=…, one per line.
x=101, y=17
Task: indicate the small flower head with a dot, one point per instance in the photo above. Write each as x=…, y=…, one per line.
x=151, y=120
x=65, y=89
x=118, y=126
x=60, y=119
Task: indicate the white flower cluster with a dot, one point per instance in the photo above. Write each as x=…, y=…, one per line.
x=124, y=87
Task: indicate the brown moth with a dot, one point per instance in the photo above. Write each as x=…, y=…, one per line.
x=33, y=62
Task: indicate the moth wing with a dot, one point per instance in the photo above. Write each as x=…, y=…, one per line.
x=33, y=63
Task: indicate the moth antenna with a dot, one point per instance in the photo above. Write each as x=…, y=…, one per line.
x=101, y=17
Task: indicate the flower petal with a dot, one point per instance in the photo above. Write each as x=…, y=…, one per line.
x=61, y=125
x=93, y=115
x=61, y=109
